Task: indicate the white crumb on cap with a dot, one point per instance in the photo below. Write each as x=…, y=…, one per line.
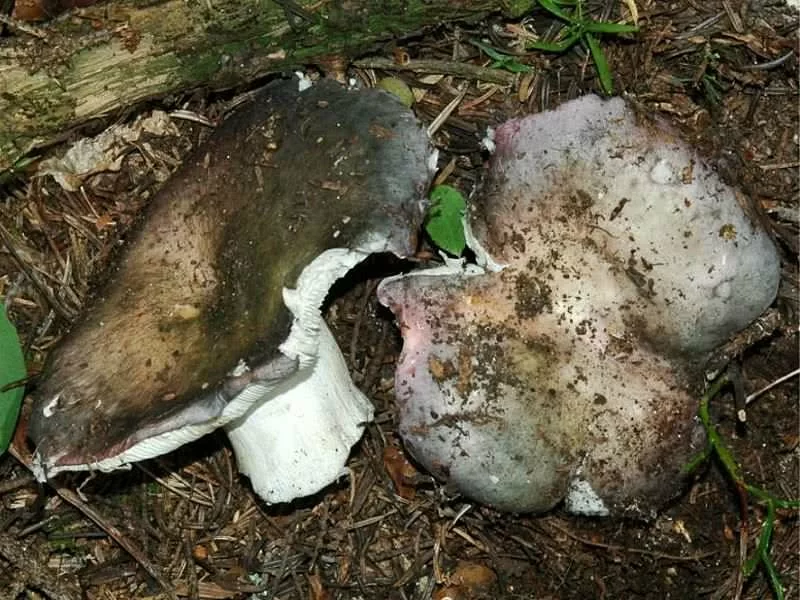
x=487, y=143
x=240, y=369
x=47, y=411
x=304, y=82
x=582, y=500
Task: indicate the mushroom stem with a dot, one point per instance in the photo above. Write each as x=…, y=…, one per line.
x=297, y=443
x=295, y=440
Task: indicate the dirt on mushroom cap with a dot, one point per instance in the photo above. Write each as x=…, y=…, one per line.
x=584, y=353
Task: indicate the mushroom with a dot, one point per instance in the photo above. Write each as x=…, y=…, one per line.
x=212, y=318
x=568, y=367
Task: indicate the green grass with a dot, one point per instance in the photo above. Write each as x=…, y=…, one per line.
x=580, y=29
x=502, y=61
x=716, y=448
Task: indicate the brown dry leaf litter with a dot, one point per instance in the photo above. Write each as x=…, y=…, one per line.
x=725, y=72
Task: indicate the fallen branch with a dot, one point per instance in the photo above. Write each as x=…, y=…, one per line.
x=97, y=60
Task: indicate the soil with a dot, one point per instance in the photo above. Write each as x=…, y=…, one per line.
x=725, y=73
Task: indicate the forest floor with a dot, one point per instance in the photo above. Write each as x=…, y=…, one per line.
x=724, y=75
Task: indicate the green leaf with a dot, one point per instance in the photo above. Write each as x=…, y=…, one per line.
x=554, y=9
x=444, y=221
x=502, y=61
x=600, y=62
x=397, y=88
x=12, y=369
x=489, y=51
x=511, y=65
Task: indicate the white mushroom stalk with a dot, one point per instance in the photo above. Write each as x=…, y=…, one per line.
x=295, y=440
x=294, y=443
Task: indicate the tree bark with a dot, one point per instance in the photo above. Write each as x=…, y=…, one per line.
x=98, y=60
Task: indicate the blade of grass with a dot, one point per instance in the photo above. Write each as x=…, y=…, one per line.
x=511, y=65
x=502, y=61
x=601, y=64
x=554, y=9
x=698, y=459
x=717, y=446
x=489, y=51
x=774, y=578
x=17, y=168
x=762, y=556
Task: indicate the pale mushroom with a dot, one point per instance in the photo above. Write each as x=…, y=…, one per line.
x=213, y=316
x=569, y=367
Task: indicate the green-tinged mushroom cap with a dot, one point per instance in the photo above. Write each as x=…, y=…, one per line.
x=214, y=308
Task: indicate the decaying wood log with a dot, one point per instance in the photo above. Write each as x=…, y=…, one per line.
x=95, y=61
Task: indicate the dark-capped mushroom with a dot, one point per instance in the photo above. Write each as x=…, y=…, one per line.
x=213, y=316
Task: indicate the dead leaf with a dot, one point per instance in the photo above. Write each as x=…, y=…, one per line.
x=206, y=590
x=200, y=552
x=473, y=575
x=316, y=591
x=402, y=473
x=469, y=581
x=104, y=221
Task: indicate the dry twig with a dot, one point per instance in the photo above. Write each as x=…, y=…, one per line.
x=24, y=458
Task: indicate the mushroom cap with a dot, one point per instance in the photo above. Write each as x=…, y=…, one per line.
x=572, y=373
x=187, y=334
x=589, y=177
x=512, y=406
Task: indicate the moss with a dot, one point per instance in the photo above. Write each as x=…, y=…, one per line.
x=168, y=46
x=517, y=8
